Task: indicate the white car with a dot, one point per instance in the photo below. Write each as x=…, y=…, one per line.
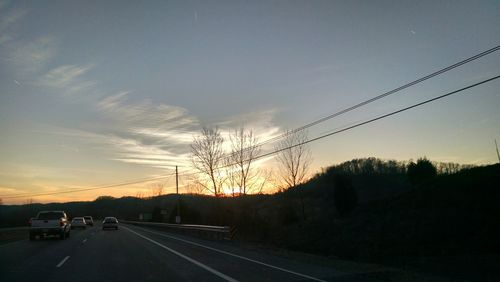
x=78, y=222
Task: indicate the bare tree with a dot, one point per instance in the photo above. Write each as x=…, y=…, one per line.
x=139, y=194
x=294, y=158
x=194, y=187
x=232, y=180
x=196, y=184
x=208, y=157
x=259, y=180
x=157, y=189
x=244, y=150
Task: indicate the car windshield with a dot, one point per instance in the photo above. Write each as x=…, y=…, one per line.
x=110, y=220
x=50, y=215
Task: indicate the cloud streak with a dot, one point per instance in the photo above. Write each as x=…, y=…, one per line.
x=159, y=135
x=68, y=78
x=24, y=56
x=145, y=113
x=33, y=56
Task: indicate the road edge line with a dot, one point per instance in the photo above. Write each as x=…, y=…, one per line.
x=206, y=267
x=235, y=255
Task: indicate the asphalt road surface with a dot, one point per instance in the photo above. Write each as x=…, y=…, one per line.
x=138, y=254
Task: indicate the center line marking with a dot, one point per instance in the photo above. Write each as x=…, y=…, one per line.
x=63, y=261
x=84, y=240
x=206, y=267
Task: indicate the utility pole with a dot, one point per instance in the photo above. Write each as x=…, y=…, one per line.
x=177, y=179
x=498, y=155
x=178, y=216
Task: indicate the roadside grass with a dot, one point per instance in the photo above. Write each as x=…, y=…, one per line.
x=8, y=235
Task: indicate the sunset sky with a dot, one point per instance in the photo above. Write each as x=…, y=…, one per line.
x=104, y=92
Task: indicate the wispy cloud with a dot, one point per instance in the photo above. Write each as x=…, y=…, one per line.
x=145, y=112
x=158, y=135
x=132, y=150
x=260, y=122
x=112, y=102
x=32, y=56
x=69, y=79
x=25, y=57
x=174, y=136
x=154, y=134
x=10, y=17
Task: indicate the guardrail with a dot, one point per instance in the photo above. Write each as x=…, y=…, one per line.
x=215, y=232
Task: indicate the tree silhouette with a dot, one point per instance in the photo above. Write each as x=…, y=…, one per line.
x=208, y=157
x=157, y=189
x=294, y=158
x=345, y=196
x=240, y=171
x=421, y=171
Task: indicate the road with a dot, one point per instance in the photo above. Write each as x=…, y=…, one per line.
x=138, y=254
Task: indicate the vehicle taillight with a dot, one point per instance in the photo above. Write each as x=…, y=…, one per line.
x=61, y=223
x=29, y=222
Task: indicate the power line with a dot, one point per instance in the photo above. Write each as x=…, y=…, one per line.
x=366, y=102
x=281, y=149
x=382, y=116
x=368, y=121
x=388, y=93
x=86, y=189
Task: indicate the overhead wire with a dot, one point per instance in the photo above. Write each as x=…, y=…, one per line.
x=383, y=95
x=24, y=195
x=369, y=121
x=313, y=123
x=381, y=117
x=281, y=149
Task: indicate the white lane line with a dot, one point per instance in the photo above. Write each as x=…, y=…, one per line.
x=62, y=261
x=206, y=267
x=235, y=255
x=84, y=240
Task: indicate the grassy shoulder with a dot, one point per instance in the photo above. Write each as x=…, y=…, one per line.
x=8, y=235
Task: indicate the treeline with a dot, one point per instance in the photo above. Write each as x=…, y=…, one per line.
x=365, y=166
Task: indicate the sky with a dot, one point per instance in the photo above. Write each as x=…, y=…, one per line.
x=102, y=92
